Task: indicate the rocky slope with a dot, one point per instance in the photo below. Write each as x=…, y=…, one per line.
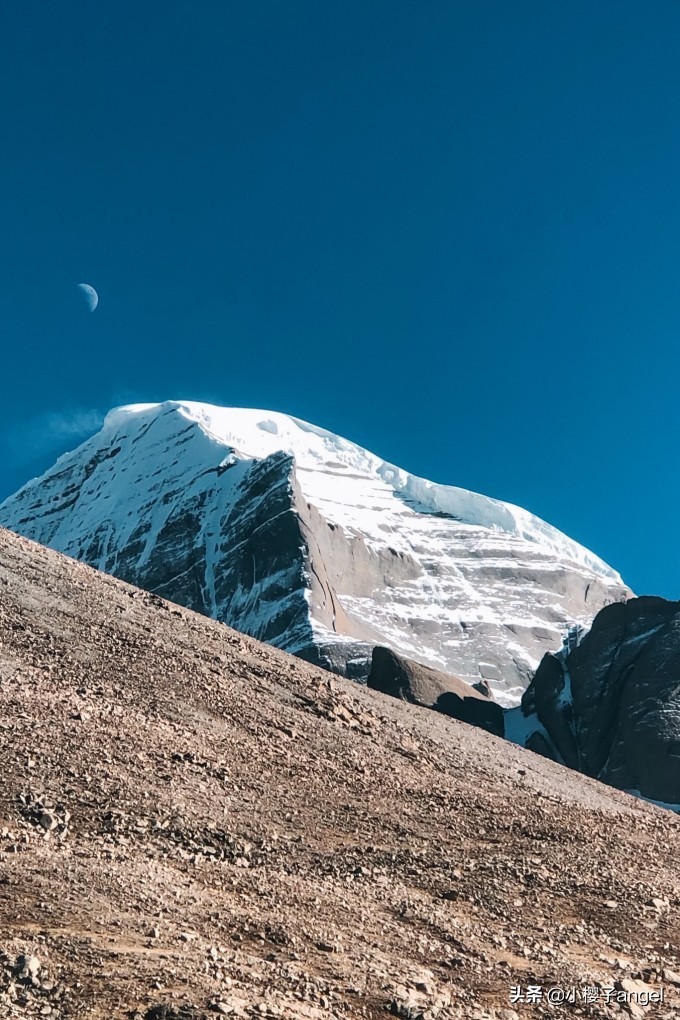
x=300, y=538
x=193, y=824
x=609, y=703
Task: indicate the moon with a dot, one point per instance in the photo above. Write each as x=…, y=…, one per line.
x=90, y=295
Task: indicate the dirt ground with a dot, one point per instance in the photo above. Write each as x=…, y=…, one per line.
x=196, y=825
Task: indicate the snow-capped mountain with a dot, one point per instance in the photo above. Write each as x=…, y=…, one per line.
x=303, y=539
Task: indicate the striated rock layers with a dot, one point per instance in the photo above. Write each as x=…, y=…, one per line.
x=295, y=536
x=608, y=704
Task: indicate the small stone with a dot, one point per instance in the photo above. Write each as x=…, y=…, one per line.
x=424, y=982
x=406, y=1009
x=29, y=967
x=232, y=1006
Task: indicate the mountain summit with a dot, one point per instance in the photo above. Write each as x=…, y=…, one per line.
x=301, y=538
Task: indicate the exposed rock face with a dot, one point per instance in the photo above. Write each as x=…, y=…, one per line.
x=421, y=685
x=609, y=703
x=300, y=538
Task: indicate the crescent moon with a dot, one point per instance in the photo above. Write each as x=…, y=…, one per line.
x=90, y=294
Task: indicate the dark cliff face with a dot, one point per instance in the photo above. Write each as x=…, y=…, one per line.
x=421, y=685
x=248, y=569
x=610, y=705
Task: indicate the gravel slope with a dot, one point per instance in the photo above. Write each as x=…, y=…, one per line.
x=189, y=818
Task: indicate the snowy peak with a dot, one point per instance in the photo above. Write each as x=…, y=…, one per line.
x=300, y=537
x=257, y=434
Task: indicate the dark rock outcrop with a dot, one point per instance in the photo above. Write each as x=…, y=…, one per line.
x=608, y=704
x=422, y=685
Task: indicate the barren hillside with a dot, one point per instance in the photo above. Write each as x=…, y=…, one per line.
x=193, y=824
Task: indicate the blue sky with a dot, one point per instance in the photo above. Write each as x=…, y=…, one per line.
x=449, y=231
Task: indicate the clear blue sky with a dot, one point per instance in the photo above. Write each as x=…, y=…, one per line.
x=448, y=230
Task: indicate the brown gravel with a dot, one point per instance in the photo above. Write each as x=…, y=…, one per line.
x=193, y=824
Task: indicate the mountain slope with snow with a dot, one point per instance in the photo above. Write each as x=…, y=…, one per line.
x=303, y=539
